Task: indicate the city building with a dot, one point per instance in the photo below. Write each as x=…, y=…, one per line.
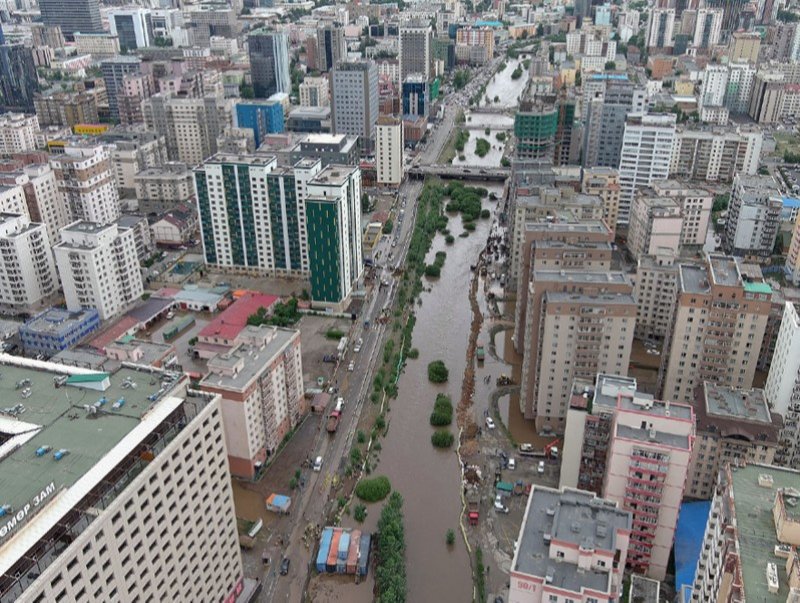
x=190, y=126
x=719, y=323
x=55, y=330
x=655, y=290
x=477, y=44
x=66, y=108
x=708, y=27
x=656, y=224
x=416, y=97
x=389, y=150
x=744, y=47
x=269, y=62
x=72, y=16
x=354, y=101
x=748, y=551
x=44, y=201
x=135, y=88
x=715, y=155
x=792, y=266
x=98, y=267
x=695, y=204
x=733, y=426
x=130, y=25
x=572, y=545
x=338, y=149
x=132, y=149
x=645, y=156
x=18, y=133
x=99, y=45
x=315, y=92
x=114, y=70
x=578, y=323
x=260, y=382
x=660, y=26
x=309, y=120
x=629, y=448
x=753, y=217
x=415, y=54
x=535, y=127
x=109, y=492
x=262, y=117
x=604, y=183
x=782, y=388
x=331, y=46
x=766, y=99
x=176, y=227
x=86, y=182
x=159, y=189
x=27, y=272
x=19, y=81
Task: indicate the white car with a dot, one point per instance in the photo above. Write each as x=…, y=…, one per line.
x=490, y=423
x=499, y=506
x=512, y=464
x=351, y=367
x=540, y=468
x=318, y=464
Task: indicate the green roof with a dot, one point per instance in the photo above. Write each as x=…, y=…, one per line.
x=756, y=533
x=757, y=288
x=87, y=378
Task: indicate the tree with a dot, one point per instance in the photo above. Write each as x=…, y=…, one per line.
x=450, y=537
x=610, y=65
x=388, y=226
x=437, y=372
x=364, y=203
x=246, y=91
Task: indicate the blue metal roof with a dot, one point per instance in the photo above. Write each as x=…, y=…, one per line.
x=689, y=540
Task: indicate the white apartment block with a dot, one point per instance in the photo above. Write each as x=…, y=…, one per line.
x=125, y=497
x=315, y=92
x=389, y=151
x=86, y=182
x=782, y=389
x=27, y=270
x=715, y=155
x=792, y=266
x=12, y=200
x=45, y=201
x=714, y=86
x=660, y=26
x=645, y=158
x=98, y=267
x=708, y=26
x=260, y=382
x=18, y=133
x=695, y=204
x=740, y=86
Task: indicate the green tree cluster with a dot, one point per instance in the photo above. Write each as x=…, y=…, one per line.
x=283, y=315
x=390, y=573
x=441, y=438
x=437, y=372
x=482, y=147
x=373, y=489
x=442, y=414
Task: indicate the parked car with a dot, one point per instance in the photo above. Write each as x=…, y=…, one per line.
x=499, y=506
x=318, y=464
x=285, y=566
x=512, y=464
x=540, y=468
x=490, y=423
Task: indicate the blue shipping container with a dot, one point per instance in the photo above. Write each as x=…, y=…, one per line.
x=344, y=547
x=324, y=548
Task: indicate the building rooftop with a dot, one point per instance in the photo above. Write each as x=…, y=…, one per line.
x=644, y=590
x=744, y=404
x=335, y=175
x=590, y=226
x=693, y=278
x=48, y=408
x=231, y=322
x=652, y=435
x=614, y=391
x=756, y=528
x=249, y=159
x=581, y=276
x=616, y=299
x=571, y=516
x=57, y=320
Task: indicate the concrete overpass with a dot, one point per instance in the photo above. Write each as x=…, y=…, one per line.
x=495, y=174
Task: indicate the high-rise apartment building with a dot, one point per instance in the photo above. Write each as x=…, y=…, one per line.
x=578, y=324
x=660, y=25
x=389, y=150
x=695, y=204
x=131, y=26
x=159, y=189
x=744, y=47
x=629, y=448
x=111, y=482
x=715, y=155
x=132, y=149
x=17, y=133
x=72, y=16
x=354, y=101
x=475, y=45
x=645, y=156
x=135, y=88
x=114, y=71
x=260, y=381
x=753, y=217
x=43, y=198
x=66, y=108
x=718, y=326
x=782, y=389
x=707, y=28
x=416, y=54
x=98, y=267
x=655, y=226
x=655, y=290
x=331, y=46
x=315, y=92
x=766, y=99
x=86, y=181
x=269, y=62
x=27, y=270
x=190, y=126
x=571, y=545
x=604, y=183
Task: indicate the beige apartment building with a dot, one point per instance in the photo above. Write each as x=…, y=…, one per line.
x=655, y=225
x=719, y=323
x=656, y=290
x=85, y=178
x=695, y=203
x=604, y=183
x=579, y=324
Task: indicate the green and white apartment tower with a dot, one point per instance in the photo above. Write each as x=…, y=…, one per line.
x=258, y=218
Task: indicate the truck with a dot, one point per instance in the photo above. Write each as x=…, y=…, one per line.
x=333, y=422
x=504, y=487
x=473, y=505
x=480, y=353
x=341, y=349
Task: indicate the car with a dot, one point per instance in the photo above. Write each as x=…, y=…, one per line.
x=499, y=506
x=526, y=447
x=512, y=464
x=170, y=315
x=285, y=566
x=490, y=422
x=540, y=468
x=318, y=464
x=357, y=346
x=352, y=366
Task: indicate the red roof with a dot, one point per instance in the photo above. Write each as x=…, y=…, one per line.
x=115, y=331
x=230, y=322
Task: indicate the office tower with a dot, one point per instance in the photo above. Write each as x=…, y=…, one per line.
x=655, y=290
x=315, y=92
x=86, y=182
x=766, y=99
x=695, y=204
x=72, y=16
x=415, y=97
x=733, y=426
x=607, y=103
x=260, y=381
x=114, y=71
x=389, y=151
x=744, y=47
x=604, y=183
x=655, y=226
x=719, y=323
x=748, y=549
x=130, y=25
x=190, y=126
x=782, y=389
x=354, y=101
x=645, y=156
x=27, y=271
x=331, y=46
x=111, y=492
x=535, y=127
x=262, y=117
x=570, y=543
x=269, y=62
x=578, y=324
x=98, y=267
x=707, y=29
x=734, y=17
x=416, y=51
x=17, y=133
x=19, y=81
x=715, y=155
x=753, y=217
x=333, y=220
x=47, y=35
x=660, y=25
x=209, y=19
x=627, y=447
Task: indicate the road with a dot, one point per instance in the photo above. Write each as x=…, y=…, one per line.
x=354, y=386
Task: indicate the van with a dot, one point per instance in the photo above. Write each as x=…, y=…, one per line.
x=318, y=464
x=512, y=464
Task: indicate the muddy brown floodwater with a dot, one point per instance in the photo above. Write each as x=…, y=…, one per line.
x=428, y=478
